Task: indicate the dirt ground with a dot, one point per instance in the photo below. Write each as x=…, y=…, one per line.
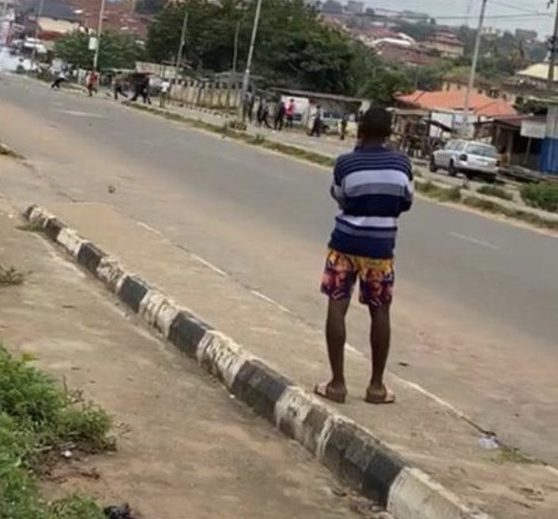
x=186, y=449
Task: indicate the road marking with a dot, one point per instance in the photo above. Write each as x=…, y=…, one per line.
x=77, y=113
x=209, y=265
x=474, y=240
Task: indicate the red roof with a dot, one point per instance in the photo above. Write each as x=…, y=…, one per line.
x=455, y=100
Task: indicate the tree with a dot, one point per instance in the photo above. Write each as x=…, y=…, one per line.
x=116, y=51
x=294, y=48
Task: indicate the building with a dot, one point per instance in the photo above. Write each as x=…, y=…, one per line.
x=460, y=81
x=447, y=44
x=355, y=7
x=405, y=54
x=332, y=7
x=482, y=106
x=536, y=75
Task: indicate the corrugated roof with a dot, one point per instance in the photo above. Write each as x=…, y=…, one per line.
x=538, y=71
x=455, y=100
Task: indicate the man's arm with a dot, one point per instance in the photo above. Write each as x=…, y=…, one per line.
x=409, y=192
x=336, y=189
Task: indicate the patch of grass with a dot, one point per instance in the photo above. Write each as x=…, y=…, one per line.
x=511, y=455
x=541, y=196
x=524, y=216
x=495, y=191
x=30, y=227
x=38, y=419
x=11, y=277
x=452, y=194
x=76, y=507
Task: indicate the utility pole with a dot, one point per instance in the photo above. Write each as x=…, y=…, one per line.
x=181, y=45
x=553, y=44
x=99, y=32
x=246, y=78
x=36, y=42
x=474, y=64
x=234, y=62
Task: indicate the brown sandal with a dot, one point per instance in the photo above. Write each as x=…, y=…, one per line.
x=326, y=391
x=385, y=397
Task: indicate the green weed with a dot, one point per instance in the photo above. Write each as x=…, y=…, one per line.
x=541, y=196
x=38, y=418
x=11, y=277
x=495, y=191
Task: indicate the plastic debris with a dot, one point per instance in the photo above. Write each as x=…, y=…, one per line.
x=489, y=443
x=67, y=454
x=119, y=512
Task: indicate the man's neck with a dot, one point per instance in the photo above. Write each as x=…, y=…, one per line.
x=372, y=143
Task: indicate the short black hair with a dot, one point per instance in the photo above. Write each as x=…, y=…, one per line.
x=375, y=123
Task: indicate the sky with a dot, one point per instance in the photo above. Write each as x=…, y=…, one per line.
x=503, y=14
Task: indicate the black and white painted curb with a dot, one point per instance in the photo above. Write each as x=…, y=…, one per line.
x=347, y=449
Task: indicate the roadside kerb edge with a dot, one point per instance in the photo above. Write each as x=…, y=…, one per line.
x=347, y=449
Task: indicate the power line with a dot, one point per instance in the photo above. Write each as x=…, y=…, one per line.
x=499, y=16
x=515, y=7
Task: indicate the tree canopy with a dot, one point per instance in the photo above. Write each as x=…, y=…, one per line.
x=294, y=48
x=116, y=51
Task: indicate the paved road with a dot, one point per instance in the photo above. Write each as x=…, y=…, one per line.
x=477, y=298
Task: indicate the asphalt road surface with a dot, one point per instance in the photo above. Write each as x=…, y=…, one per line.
x=476, y=312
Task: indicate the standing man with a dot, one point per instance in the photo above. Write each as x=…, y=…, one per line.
x=291, y=109
x=92, y=81
x=317, y=124
x=372, y=186
x=165, y=91
x=281, y=109
x=344, y=122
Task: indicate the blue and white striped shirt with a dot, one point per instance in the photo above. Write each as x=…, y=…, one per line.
x=373, y=186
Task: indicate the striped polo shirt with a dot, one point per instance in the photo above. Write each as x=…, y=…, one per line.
x=373, y=186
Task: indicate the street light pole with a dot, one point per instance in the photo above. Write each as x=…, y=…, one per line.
x=99, y=32
x=181, y=45
x=553, y=48
x=476, y=53
x=246, y=78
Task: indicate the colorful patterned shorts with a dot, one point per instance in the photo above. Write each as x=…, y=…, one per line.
x=376, y=278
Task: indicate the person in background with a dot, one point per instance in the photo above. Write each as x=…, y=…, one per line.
x=290, y=112
x=343, y=125
x=279, y=120
x=118, y=86
x=165, y=92
x=372, y=186
x=263, y=113
x=58, y=80
x=317, y=124
x=92, y=82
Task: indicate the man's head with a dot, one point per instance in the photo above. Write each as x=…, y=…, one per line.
x=374, y=125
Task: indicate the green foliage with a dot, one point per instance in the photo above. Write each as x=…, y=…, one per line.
x=495, y=191
x=294, y=48
x=116, y=51
x=542, y=196
x=76, y=507
x=38, y=417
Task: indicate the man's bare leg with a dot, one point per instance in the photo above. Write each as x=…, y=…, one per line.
x=380, y=338
x=336, y=336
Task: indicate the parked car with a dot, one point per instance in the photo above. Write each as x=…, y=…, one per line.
x=473, y=159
